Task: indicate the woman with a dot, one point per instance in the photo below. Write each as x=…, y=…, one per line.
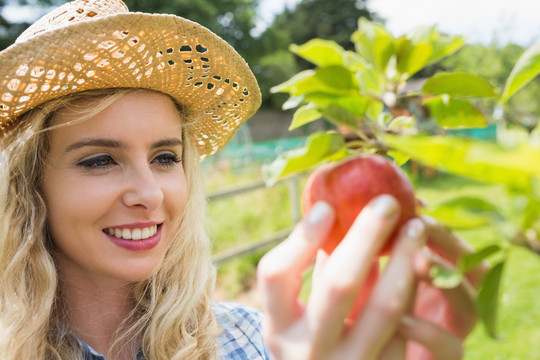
x=105, y=116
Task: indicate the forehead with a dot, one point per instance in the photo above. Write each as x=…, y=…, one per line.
x=144, y=114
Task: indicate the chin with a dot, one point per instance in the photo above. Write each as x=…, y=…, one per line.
x=140, y=272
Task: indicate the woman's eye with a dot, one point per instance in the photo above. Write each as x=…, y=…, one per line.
x=97, y=162
x=167, y=159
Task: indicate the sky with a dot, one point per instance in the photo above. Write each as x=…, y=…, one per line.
x=483, y=21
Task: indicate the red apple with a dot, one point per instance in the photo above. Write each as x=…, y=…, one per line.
x=349, y=185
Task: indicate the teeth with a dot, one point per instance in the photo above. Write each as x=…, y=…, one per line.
x=136, y=234
x=133, y=234
x=145, y=233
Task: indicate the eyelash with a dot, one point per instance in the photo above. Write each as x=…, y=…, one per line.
x=171, y=159
x=166, y=160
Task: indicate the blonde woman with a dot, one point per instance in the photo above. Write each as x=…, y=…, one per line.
x=105, y=115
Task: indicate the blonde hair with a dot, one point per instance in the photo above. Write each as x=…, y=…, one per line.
x=172, y=312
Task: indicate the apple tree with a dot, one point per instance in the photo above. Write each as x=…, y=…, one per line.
x=360, y=91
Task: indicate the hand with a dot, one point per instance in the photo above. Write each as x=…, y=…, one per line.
x=442, y=317
x=337, y=322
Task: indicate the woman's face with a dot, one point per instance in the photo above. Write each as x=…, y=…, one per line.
x=114, y=187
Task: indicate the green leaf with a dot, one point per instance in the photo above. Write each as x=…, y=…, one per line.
x=529, y=211
x=442, y=45
x=455, y=113
x=304, y=115
x=292, y=102
x=374, y=109
x=423, y=33
x=474, y=204
x=402, y=124
x=368, y=83
x=340, y=116
x=356, y=104
x=290, y=84
x=319, y=147
x=516, y=168
x=412, y=57
x=459, y=84
x=445, y=278
x=374, y=43
x=469, y=261
x=488, y=299
x=369, y=79
x=398, y=157
x=355, y=62
x=337, y=77
x=320, y=52
x=331, y=80
x=465, y=212
x=526, y=68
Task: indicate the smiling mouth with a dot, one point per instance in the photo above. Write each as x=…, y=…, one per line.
x=133, y=234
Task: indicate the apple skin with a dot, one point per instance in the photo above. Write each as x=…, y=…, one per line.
x=349, y=185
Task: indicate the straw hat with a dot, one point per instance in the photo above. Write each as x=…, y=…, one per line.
x=93, y=44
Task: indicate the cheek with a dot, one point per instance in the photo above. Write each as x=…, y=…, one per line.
x=74, y=202
x=176, y=196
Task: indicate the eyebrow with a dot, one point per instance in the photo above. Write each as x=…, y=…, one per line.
x=167, y=143
x=108, y=143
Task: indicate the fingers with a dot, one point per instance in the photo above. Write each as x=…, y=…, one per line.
x=280, y=270
x=338, y=282
x=444, y=241
x=365, y=291
x=392, y=295
x=320, y=261
x=452, y=247
x=432, y=342
x=396, y=348
x=462, y=296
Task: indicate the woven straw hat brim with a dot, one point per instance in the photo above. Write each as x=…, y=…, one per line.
x=166, y=53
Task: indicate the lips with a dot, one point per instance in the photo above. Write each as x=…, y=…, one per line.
x=135, y=237
x=141, y=233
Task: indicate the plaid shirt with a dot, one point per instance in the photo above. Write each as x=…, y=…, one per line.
x=241, y=338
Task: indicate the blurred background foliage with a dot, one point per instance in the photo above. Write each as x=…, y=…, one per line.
x=266, y=50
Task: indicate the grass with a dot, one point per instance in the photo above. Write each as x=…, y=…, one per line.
x=248, y=217
x=251, y=216
x=518, y=316
x=242, y=219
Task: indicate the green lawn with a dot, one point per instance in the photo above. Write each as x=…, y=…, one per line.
x=245, y=218
x=519, y=315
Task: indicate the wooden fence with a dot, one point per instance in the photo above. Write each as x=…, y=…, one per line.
x=256, y=246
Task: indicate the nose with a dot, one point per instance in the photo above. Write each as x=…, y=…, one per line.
x=143, y=190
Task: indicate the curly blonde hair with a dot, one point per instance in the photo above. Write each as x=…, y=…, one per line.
x=171, y=313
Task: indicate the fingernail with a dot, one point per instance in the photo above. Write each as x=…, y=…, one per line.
x=318, y=212
x=384, y=206
x=421, y=202
x=415, y=228
x=429, y=220
x=428, y=255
